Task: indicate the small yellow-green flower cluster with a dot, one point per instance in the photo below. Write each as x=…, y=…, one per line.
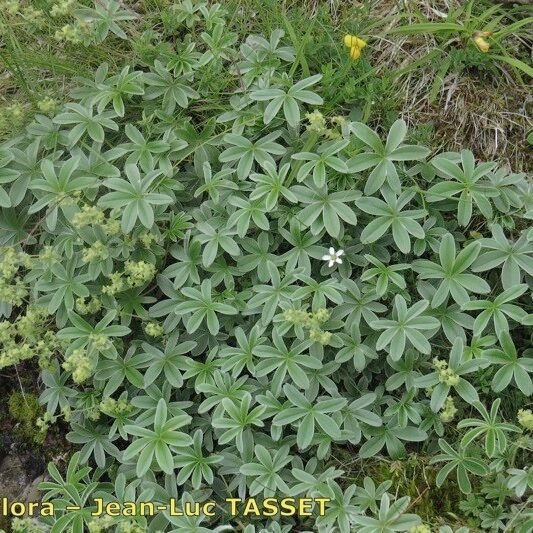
x=99, y=341
x=340, y=122
x=12, y=261
x=317, y=124
x=26, y=337
x=30, y=324
x=46, y=347
x=312, y=322
x=113, y=407
x=129, y=527
x=525, y=418
x=71, y=33
x=47, y=105
x=88, y=216
x=322, y=337
x=138, y=272
x=14, y=114
x=11, y=7
x=33, y=16
x=103, y=523
x=28, y=13
x=62, y=8
x=117, y=284
x=15, y=354
x=96, y=252
x=100, y=524
x=446, y=374
x=448, y=410
x=88, y=308
x=66, y=412
x=81, y=366
x=112, y=226
x=44, y=422
x=420, y=528
x=153, y=329
x=13, y=292
x=147, y=239
x=94, y=413
x=48, y=255
x=25, y=525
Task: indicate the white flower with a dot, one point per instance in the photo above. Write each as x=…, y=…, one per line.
x=333, y=257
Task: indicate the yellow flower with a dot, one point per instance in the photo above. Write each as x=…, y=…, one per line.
x=483, y=45
x=355, y=44
x=351, y=41
x=355, y=53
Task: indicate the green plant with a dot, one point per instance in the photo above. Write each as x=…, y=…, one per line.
x=460, y=461
x=188, y=245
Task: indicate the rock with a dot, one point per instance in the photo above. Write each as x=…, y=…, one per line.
x=13, y=476
x=20, y=473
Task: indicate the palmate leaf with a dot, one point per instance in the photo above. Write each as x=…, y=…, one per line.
x=325, y=158
x=309, y=415
x=406, y=325
x=237, y=421
x=270, y=297
x=84, y=121
x=155, y=443
x=388, y=214
x=467, y=183
x=283, y=362
x=325, y=210
x=170, y=363
x=213, y=238
x=451, y=270
x=382, y=157
x=194, y=465
x=494, y=431
x=520, y=480
x=390, y=437
x=271, y=187
x=497, y=311
x=82, y=334
x=514, y=257
x=391, y=517
x=288, y=100
x=511, y=366
x=265, y=471
x=175, y=91
x=381, y=275
x=106, y=18
x=144, y=152
x=134, y=196
x=462, y=463
x=200, y=306
x=246, y=152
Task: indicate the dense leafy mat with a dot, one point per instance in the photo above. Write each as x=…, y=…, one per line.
x=231, y=300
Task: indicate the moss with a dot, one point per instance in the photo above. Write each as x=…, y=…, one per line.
x=411, y=476
x=24, y=409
